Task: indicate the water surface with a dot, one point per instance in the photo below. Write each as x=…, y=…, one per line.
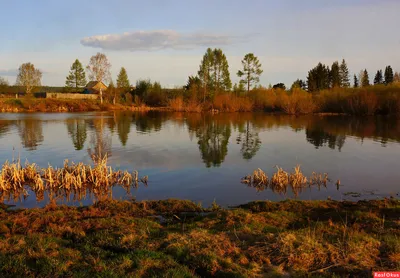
x=203, y=157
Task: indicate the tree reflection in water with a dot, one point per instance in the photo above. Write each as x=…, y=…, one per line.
x=31, y=132
x=100, y=141
x=77, y=131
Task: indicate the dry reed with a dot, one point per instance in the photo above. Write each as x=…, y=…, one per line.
x=77, y=179
x=281, y=180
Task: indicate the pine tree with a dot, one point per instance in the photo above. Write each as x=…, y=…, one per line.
x=122, y=79
x=214, y=72
x=365, y=79
x=355, y=82
x=388, y=75
x=77, y=77
x=344, y=75
x=221, y=78
x=378, y=78
x=251, y=71
x=335, y=75
x=318, y=78
x=204, y=72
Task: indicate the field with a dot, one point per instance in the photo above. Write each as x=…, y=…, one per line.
x=174, y=238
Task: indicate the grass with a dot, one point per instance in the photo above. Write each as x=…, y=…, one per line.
x=258, y=239
x=26, y=104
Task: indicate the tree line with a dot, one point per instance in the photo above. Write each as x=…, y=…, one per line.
x=213, y=77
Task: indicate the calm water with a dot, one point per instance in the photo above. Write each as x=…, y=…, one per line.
x=203, y=157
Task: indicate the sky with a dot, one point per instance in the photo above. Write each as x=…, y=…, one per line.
x=164, y=40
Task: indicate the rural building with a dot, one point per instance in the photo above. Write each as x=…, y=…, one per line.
x=94, y=87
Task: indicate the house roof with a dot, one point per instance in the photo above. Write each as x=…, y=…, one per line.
x=92, y=84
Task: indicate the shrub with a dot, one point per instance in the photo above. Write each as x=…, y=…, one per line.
x=363, y=103
x=176, y=104
x=298, y=102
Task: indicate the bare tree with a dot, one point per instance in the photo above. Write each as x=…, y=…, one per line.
x=29, y=77
x=99, y=68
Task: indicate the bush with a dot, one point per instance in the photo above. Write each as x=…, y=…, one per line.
x=14, y=102
x=362, y=103
x=176, y=104
x=232, y=103
x=298, y=102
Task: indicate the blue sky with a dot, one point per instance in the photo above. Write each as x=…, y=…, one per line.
x=164, y=40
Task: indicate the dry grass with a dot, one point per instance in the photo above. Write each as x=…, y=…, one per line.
x=259, y=239
x=281, y=180
x=77, y=179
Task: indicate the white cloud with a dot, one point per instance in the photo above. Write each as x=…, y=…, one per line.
x=156, y=40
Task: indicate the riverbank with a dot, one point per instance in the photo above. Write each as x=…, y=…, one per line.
x=65, y=105
x=175, y=238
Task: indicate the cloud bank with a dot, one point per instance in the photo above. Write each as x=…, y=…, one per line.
x=8, y=72
x=155, y=40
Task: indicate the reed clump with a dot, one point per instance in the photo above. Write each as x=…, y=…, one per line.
x=281, y=180
x=76, y=178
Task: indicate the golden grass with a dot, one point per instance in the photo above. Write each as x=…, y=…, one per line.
x=75, y=178
x=281, y=180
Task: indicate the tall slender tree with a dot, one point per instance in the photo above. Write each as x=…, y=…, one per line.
x=388, y=75
x=355, y=85
x=77, y=77
x=251, y=71
x=335, y=75
x=344, y=75
x=28, y=77
x=122, y=79
x=365, y=78
x=378, y=78
x=204, y=72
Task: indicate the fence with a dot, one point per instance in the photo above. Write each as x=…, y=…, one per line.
x=71, y=96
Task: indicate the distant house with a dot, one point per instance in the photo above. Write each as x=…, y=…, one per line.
x=94, y=87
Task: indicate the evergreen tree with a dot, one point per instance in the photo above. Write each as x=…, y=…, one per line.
x=221, y=78
x=204, y=72
x=299, y=84
x=388, y=75
x=344, y=75
x=365, y=78
x=335, y=75
x=193, y=82
x=77, y=77
x=122, y=79
x=279, y=86
x=355, y=81
x=214, y=72
x=318, y=78
x=251, y=71
x=378, y=78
